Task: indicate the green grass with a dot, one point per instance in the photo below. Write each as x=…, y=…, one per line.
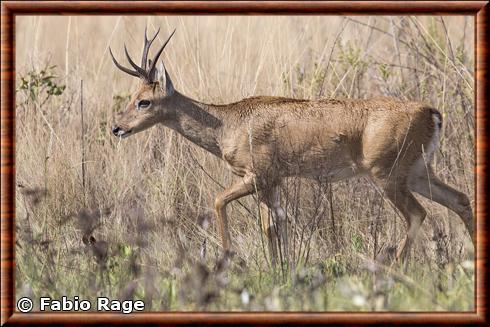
x=203, y=286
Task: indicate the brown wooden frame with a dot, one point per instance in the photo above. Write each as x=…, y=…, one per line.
x=9, y=9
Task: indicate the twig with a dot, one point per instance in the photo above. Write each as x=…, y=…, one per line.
x=83, y=141
x=320, y=93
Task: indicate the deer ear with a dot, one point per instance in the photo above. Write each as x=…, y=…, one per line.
x=164, y=79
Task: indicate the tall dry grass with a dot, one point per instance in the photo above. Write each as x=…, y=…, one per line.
x=147, y=201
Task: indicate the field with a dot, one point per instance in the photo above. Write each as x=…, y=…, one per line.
x=146, y=203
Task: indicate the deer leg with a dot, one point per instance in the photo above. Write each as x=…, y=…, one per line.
x=239, y=189
x=273, y=220
x=428, y=185
x=269, y=231
x=279, y=220
x=414, y=214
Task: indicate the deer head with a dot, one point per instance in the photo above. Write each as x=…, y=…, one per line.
x=147, y=104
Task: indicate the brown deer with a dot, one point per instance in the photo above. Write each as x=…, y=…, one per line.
x=266, y=139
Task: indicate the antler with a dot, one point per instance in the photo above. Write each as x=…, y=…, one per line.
x=146, y=48
x=151, y=71
x=141, y=72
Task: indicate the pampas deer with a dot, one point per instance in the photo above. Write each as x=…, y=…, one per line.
x=266, y=139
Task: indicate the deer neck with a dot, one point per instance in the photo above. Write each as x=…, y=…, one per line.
x=196, y=121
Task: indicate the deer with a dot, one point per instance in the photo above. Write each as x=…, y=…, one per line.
x=265, y=139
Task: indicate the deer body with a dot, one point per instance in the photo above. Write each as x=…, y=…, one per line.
x=266, y=139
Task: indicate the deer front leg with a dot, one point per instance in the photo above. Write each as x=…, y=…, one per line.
x=241, y=188
x=273, y=221
x=269, y=231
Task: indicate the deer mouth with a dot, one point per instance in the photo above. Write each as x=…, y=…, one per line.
x=119, y=132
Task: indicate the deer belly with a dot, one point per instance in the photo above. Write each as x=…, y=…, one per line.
x=333, y=162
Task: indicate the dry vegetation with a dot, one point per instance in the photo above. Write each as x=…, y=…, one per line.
x=133, y=219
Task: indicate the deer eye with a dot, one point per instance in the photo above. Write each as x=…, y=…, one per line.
x=143, y=104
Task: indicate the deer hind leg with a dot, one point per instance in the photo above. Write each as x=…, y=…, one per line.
x=414, y=215
x=241, y=188
x=396, y=190
x=428, y=185
x=273, y=221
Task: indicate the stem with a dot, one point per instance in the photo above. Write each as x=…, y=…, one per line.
x=83, y=142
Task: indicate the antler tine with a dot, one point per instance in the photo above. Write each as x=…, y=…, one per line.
x=155, y=59
x=141, y=72
x=121, y=67
x=146, y=48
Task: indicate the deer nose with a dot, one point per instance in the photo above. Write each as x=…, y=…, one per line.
x=115, y=130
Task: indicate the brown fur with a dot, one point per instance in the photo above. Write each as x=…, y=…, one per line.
x=265, y=139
